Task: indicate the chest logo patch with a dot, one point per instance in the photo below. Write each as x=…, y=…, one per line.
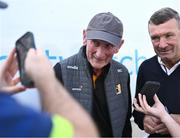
x=118, y=89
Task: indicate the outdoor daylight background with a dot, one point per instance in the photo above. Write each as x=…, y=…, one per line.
x=58, y=25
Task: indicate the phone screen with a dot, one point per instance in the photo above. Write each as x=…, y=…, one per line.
x=23, y=44
x=149, y=89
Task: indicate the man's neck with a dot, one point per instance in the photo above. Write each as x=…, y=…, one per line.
x=169, y=63
x=97, y=72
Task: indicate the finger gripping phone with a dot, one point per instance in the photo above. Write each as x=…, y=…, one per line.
x=23, y=44
x=149, y=89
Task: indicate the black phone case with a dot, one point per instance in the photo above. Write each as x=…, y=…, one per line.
x=149, y=89
x=23, y=44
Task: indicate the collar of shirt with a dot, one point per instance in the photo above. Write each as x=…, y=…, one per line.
x=165, y=69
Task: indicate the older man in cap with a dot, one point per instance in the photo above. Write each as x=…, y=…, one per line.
x=59, y=118
x=99, y=83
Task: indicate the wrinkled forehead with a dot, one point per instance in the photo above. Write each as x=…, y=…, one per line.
x=169, y=25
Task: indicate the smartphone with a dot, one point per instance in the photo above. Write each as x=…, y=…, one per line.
x=149, y=89
x=23, y=44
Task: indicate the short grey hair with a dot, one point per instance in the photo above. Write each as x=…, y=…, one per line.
x=163, y=15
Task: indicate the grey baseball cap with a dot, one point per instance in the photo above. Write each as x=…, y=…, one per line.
x=106, y=27
x=3, y=5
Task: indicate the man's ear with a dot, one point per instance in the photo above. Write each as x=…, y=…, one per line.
x=84, y=37
x=120, y=45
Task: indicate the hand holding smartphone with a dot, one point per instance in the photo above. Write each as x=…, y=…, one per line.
x=23, y=44
x=149, y=89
